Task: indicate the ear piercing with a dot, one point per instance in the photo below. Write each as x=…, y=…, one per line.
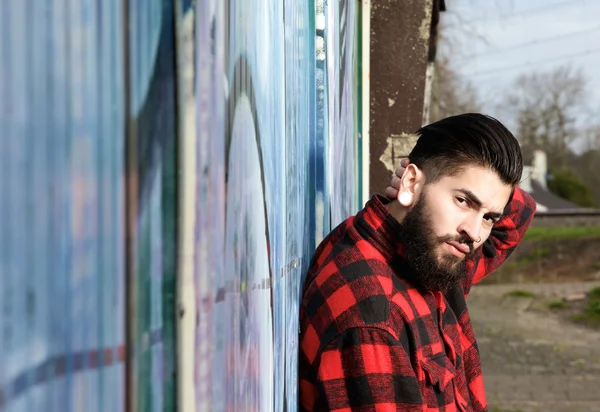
x=405, y=198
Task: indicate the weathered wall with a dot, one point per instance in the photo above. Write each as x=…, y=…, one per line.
x=400, y=38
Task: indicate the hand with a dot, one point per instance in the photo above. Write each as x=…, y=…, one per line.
x=391, y=192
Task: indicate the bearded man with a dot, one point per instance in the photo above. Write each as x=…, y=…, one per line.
x=384, y=324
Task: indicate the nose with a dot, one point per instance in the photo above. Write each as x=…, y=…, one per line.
x=471, y=227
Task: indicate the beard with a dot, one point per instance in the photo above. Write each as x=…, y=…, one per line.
x=427, y=267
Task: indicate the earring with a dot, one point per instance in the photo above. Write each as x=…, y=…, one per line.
x=405, y=198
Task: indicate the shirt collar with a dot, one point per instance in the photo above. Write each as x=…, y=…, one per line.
x=375, y=223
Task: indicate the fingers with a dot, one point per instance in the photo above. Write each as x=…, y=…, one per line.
x=395, y=183
x=402, y=166
x=399, y=171
x=391, y=193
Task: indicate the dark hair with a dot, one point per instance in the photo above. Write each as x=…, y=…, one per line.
x=446, y=147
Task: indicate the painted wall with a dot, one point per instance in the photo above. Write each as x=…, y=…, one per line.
x=62, y=308
x=64, y=108
x=276, y=168
x=153, y=136
x=173, y=159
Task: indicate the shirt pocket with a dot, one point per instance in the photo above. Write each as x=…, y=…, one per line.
x=439, y=371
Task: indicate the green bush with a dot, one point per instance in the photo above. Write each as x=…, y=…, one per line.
x=566, y=184
x=595, y=294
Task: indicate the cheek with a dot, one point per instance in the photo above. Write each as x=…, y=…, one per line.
x=443, y=216
x=441, y=225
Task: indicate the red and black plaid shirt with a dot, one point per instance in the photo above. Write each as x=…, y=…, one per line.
x=370, y=341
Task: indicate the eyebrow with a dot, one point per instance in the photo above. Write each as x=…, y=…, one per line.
x=473, y=198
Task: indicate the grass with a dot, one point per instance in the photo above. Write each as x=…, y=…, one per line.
x=538, y=253
x=591, y=313
x=519, y=293
x=557, y=304
x=551, y=233
x=597, y=265
x=532, y=257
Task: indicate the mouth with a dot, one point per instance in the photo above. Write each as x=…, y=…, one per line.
x=458, y=249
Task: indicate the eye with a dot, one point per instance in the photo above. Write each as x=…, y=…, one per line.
x=462, y=202
x=490, y=220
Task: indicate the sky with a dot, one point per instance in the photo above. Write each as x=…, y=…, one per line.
x=498, y=40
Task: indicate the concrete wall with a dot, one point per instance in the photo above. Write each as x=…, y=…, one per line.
x=400, y=49
x=541, y=220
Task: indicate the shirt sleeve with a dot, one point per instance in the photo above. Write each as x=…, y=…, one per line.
x=506, y=235
x=367, y=369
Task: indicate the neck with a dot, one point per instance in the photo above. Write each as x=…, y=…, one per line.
x=397, y=211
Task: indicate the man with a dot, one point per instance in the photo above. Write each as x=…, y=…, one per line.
x=384, y=323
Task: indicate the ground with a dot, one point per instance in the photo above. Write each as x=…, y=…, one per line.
x=535, y=359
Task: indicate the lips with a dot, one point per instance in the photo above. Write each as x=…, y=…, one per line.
x=461, y=247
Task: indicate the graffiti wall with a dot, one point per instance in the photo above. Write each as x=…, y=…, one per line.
x=116, y=118
x=63, y=115
x=153, y=128
x=276, y=150
x=62, y=289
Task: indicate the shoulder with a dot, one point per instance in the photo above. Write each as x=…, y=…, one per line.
x=352, y=291
x=349, y=287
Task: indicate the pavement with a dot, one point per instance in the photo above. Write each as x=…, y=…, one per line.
x=532, y=360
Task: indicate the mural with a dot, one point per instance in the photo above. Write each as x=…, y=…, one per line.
x=62, y=251
x=153, y=116
x=283, y=173
x=209, y=202
x=261, y=95
x=343, y=109
x=62, y=285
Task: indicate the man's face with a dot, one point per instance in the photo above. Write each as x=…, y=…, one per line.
x=451, y=218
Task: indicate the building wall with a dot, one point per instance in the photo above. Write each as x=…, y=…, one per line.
x=87, y=237
x=277, y=168
x=400, y=46
x=164, y=160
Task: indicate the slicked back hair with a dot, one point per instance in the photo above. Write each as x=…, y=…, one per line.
x=448, y=146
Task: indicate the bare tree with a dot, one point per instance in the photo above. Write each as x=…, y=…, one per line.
x=546, y=107
x=592, y=138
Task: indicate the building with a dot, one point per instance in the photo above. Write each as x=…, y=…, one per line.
x=534, y=182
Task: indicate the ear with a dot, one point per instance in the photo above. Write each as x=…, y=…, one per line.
x=411, y=185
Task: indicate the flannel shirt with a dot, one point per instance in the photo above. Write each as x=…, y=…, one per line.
x=371, y=341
